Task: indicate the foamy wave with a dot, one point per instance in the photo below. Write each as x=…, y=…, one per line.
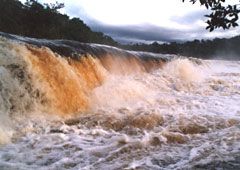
x=112, y=109
x=35, y=79
x=185, y=70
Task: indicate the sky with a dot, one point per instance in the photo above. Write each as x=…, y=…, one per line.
x=146, y=21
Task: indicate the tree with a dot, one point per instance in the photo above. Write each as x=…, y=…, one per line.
x=221, y=16
x=37, y=20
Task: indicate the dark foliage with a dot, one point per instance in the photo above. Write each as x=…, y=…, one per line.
x=221, y=16
x=227, y=48
x=37, y=20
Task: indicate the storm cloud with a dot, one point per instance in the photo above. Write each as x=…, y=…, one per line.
x=147, y=33
x=145, y=21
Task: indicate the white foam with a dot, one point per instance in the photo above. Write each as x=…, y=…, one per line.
x=199, y=106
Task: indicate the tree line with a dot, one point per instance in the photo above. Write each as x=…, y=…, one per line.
x=37, y=20
x=227, y=48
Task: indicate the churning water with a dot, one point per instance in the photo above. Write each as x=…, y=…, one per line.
x=67, y=105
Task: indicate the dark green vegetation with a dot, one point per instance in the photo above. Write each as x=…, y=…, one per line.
x=222, y=16
x=37, y=20
x=222, y=48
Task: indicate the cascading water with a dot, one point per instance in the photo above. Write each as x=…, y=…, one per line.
x=69, y=105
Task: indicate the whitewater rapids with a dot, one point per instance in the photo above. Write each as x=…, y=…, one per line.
x=76, y=106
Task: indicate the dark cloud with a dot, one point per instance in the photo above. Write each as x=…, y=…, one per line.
x=140, y=32
x=144, y=33
x=148, y=33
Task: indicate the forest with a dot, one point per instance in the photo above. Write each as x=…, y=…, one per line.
x=227, y=48
x=37, y=20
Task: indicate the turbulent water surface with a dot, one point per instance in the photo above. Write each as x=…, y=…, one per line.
x=67, y=105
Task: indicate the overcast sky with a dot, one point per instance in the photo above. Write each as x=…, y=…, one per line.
x=144, y=20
